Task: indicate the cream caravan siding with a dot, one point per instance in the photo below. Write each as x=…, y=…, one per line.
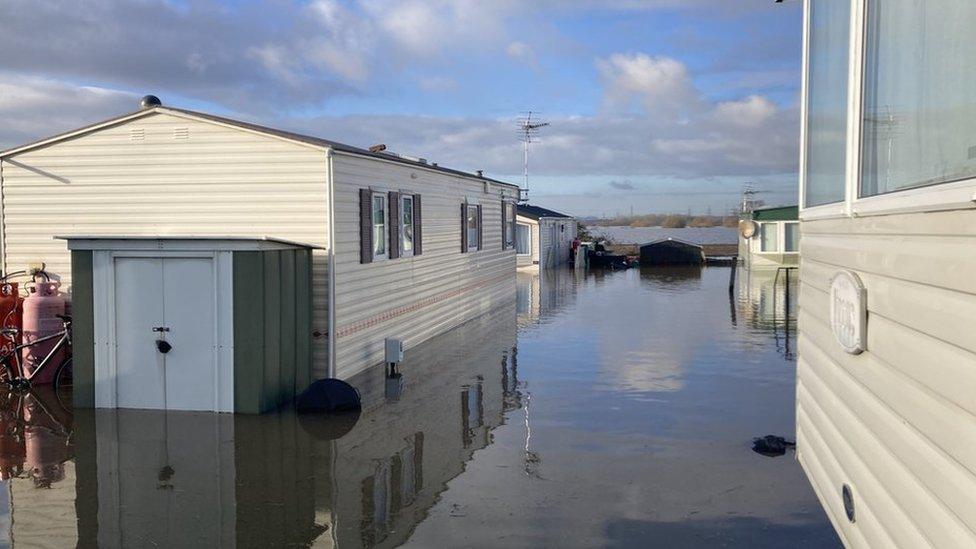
x=169, y=175
x=897, y=422
x=532, y=258
x=555, y=243
x=414, y=298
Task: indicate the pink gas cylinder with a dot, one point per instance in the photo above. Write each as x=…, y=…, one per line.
x=40, y=319
x=11, y=308
x=45, y=442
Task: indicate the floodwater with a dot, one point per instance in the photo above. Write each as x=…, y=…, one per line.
x=596, y=410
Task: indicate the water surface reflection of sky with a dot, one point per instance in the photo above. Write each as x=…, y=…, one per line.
x=595, y=410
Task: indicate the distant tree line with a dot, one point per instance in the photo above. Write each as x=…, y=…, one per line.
x=669, y=221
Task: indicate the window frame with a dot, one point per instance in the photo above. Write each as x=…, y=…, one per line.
x=404, y=197
x=952, y=195
x=510, y=222
x=528, y=226
x=385, y=232
x=786, y=225
x=780, y=238
x=777, y=229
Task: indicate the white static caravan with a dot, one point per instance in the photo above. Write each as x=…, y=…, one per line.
x=769, y=238
x=445, y=255
x=543, y=237
x=886, y=380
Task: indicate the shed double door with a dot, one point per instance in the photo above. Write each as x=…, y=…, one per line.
x=168, y=298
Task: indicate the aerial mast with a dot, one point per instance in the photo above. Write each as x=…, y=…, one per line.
x=528, y=128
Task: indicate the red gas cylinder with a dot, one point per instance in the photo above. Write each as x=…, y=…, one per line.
x=40, y=319
x=11, y=308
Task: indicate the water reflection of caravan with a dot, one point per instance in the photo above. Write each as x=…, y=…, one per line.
x=541, y=293
x=886, y=419
x=143, y=478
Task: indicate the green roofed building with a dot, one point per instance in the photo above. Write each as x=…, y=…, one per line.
x=770, y=237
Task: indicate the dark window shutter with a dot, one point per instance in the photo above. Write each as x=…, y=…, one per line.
x=513, y=223
x=418, y=233
x=464, y=227
x=394, y=209
x=504, y=225
x=481, y=232
x=365, y=226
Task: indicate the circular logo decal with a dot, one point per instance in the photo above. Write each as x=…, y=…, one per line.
x=849, y=311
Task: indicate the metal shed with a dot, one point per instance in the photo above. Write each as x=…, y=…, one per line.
x=190, y=323
x=671, y=251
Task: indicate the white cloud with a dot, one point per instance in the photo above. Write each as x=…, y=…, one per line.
x=32, y=108
x=659, y=84
x=520, y=51
x=750, y=112
x=278, y=61
x=438, y=84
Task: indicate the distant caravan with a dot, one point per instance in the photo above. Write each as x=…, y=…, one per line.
x=886, y=372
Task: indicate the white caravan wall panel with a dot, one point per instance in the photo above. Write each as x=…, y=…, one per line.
x=217, y=181
x=414, y=298
x=897, y=422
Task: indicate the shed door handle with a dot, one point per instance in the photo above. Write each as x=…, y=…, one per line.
x=160, y=328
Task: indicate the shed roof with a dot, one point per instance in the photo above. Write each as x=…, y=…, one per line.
x=781, y=213
x=100, y=242
x=536, y=212
x=283, y=134
x=670, y=240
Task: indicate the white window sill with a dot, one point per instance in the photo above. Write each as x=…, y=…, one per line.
x=959, y=195
x=825, y=211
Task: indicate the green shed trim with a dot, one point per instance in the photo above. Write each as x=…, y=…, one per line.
x=784, y=213
x=272, y=327
x=83, y=329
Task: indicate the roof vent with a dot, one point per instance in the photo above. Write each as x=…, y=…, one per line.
x=149, y=102
x=181, y=133
x=377, y=148
x=480, y=173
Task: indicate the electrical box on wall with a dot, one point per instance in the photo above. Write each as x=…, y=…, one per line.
x=394, y=351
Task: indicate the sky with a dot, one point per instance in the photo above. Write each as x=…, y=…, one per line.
x=654, y=105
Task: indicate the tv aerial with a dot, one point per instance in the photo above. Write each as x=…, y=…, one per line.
x=529, y=126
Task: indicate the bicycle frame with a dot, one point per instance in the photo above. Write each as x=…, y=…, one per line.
x=65, y=338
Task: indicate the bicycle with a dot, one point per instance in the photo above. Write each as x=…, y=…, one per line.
x=11, y=372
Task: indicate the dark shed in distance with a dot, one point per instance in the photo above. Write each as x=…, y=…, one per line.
x=671, y=252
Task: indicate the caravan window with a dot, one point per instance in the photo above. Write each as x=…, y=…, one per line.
x=919, y=115
x=509, y=224
x=379, y=226
x=472, y=226
x=791, y=237
x=827, y=60
x=406, y=225
x=768, y=237
x=523, y=239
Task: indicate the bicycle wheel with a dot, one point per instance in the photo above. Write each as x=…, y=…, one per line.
x=8, y=369
x=64, y=384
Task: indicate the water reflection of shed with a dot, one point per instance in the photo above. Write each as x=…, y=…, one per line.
x=186, y=479
x=671, y=251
